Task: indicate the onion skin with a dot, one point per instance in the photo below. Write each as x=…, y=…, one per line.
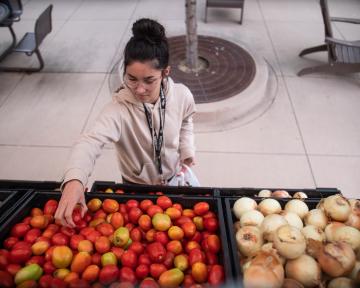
x=264, y=193
x=355, y=273
x=242, y=205
x=330, y=230
x=269, y=206
x=270, y=224
x=337, y=259
x=349, y=235
x=355, y=206
x=292, y=283
x=300, y=195
x=315, y=238
x=317, y=218
x=353, y=221
x=251, y=218
x=337, y=207
x=237, y=226
x=305, y=270
x=265, y=270
x=297, y=206
x=289, y=242
x=249, y=240
x=293, y=219
x=341, y=282
x=280, y=194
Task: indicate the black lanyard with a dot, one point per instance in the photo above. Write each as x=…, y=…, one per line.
x=157, y=138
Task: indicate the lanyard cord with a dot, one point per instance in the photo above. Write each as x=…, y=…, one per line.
x=157, y=138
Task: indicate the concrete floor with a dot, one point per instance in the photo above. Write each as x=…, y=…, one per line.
x=309, y=137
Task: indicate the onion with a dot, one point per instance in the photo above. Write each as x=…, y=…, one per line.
x=298, y=207
x=269, y=247
x=270, y=224
x=237, y=225
x=291, y=283
x=353, y=221
x=265, y=270
x=315, y=238
x=293, y=219
x=358, y=255
x=305, y=270
x=251, y=218
x=289, y=242
x=249, y=240
x=280, y=194
x=320, y=205
x=355, y=206
x=242, y=205
x=300, y=195
x=349, y=235
x=341, y=282
x=355, y=273
x=337, y=207
x=264, y=193
x=269, y=206
x=336, y=259
x=330, y=230
x=317, y=218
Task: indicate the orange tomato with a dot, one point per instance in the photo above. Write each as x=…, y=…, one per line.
x=164, y=202
x=80, y=262
x=161, y=222
x=175, y=233
x=61, y=256
x=173, y=213
x=85, y=246
x=145, y=222
x=110, y=205
x=188, y=213
x=94, y=204
x=201, y=208
x=171, y=278
x=102, y=245
x=117, y=220
x=91, y=273
x=174, y=246
x=199, y=272
x=39, y=221
x=189, y=229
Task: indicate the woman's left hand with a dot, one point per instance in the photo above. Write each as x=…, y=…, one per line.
x=189, y=161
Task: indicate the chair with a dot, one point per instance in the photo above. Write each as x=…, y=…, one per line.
x=343, y=56
x=31, y=41
x=225, y=4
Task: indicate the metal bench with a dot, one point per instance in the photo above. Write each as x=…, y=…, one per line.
x=225, y=4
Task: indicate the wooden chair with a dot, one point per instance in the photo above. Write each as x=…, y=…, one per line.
x=225, y=4
x=343, y=56
x=31, y=41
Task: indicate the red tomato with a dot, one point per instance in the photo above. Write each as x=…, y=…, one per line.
x=67, y=231
x=135, y=234
x=10, y=242
x=189, y=229
x=110, y=205
x=137, y=247
x=127, y=275
x=4, y=258
x=32, y=235
x=134, y=214
x=183, y=219
x=145, y=204
x=60, y=239
x=211, y=224
x=211, y=258
x=49, y=268
x=156, y=252
x=153, y=209
x=213, y=243
x=201, y=208
x=13, y=269
x=19, y=230
x=145, y=222
x=196, y=255
x=164, y=202
x=169, y=260
x=216, y=275
x=45, y=281
x=96, y=259
x=100, y=214
x=132, y=203
x=142, y=271
x=6, y=280
x=105, y=229
x=40, y=260
x=144, y=259
x=22, y=244
x=20, y=255
x=58, y=283
x=79, y=283
x=162, y=237
x=157, y=269
x=197, y=237
x=50, y=207
x=149, y=283
x=209, y=214
x=118, y=252
x=74, y=241
x=93, y=236
x=108, y=274
x=188, y=281
x=129, y=259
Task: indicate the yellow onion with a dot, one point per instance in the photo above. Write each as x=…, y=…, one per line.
x=305, y=270
x=337, y=259
x=341, y=282
x=269, y=206
x=293, y=219
x=291, y=283
x=289, y=242
x=265, y=270
x=315, y=238
x=355, y=273
x=349, y=235
x=242, y=205
x=300, y=195
x=264, y=193
x=251, y=218
x=270, y=224
x=330, y=230
x=355, y=206
x=337, y=207
x=353, y=221
x=317, y=218
x=269, y=248
x=280, y=194
x=298, y=207
x=320, y=205
x=249, y=240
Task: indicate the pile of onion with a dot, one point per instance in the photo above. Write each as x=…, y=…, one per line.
x=337, y=207
x=243, y=205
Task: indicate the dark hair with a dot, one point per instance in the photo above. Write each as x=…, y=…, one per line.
x=148, y=43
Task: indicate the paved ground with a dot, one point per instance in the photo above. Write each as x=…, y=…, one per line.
x=309, y=137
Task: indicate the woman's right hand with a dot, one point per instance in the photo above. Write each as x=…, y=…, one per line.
x=72, y=194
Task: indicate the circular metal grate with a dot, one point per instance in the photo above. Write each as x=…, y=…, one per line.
x=230, y=71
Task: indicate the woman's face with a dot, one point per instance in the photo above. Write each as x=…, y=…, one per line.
x=144, y=80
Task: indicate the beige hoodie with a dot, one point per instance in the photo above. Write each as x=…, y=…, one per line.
x=123, y=122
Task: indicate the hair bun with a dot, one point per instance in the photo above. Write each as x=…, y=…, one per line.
x=148, y=30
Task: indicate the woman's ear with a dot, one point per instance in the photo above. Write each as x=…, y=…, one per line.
x=166, y=71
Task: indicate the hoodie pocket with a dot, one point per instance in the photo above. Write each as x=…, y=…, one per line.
x=148, y=173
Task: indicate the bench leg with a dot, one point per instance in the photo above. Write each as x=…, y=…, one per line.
x=336, y=68
x=241, y=14
x=26, y=69
x=319, y=48
x=12, y=45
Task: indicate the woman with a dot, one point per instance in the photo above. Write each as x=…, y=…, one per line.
x=149, y=120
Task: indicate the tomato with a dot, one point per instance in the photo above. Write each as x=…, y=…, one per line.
x=173, y=213
x=118, y=252
x=40, y=247
x=80, y=261
x=110, y=206
x=102, y=245
x=175, y=247
x=156, y=252
x=10, y=242
x=27, y=284
x=196, y=255
x=213, y=243
x=132, y=203
x=127, y=275
x=68, y=231
x=100, y=214
x=161, y=237
x=188, y=213
x=40, y=260
x=13, y=269
x=79, y=283
x=108, y=258
x=62, y=256
x=188, y=281
x=75, y=240
x=19, y=230
x=209, y=214
x=157, y=269
x=161, y=222
x=153, y=209
x=93, y=236
x=211, y=224
x=85, y=246
x=150, y=235
x=136, y=234
x=29, y=272
x=164, y=202
x=49, y=268
x=4, y=258
x=121, y=236
x=169, y=259
x=58, y=283
x=201, y=208
x=108, y=274
x=148, y=283
x=137, y=247
x=60, y=239
x=20, y=255
x=189, y=229
x=96, y=222
x=144, y=259
x=171, y=278
x=45, y=281
x=145, y=204
x=181, y=262
x=142, y=271
x=183, y=219
x=211, y=258
x=91, y=273
x=50, y=207
x=96, y=259
x=6, y=279
x=197, y=237
x=117, y=220
x=175, y=233
x=32, y=235
x=94, y=204
x=105, y=229
x=134, y=214
x=39, y=221
x=216, y=275
x=199, y=272
x=129, y=259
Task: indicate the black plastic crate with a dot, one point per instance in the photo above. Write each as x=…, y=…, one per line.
x=133, y=189
x=231, y=219
x=27, y=184
x=252, y=192
x=10, y=199
x=39, y=198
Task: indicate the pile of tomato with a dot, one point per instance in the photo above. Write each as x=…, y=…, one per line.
x=144, y=243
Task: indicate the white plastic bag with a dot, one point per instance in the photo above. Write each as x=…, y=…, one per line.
x=185, y=177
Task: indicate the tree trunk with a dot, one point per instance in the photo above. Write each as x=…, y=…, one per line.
x=191, y=35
